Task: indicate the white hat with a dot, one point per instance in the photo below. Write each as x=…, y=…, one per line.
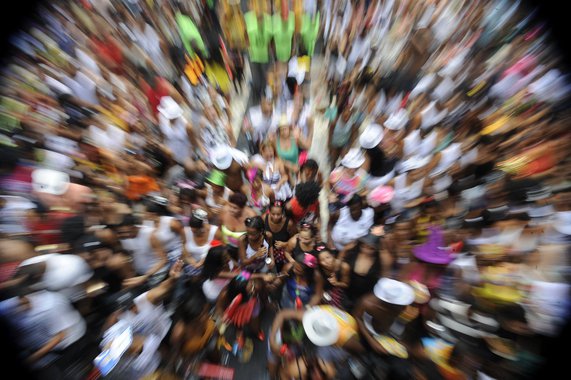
x=320, y=326
x=422, y=86
x=353, y=159
x=371, y=136
x=415, y=162
x=50, y=181
x=562, y=222
x=430, y=116
x=221, y=157
x=394, y=292
x=169, y=108
x=397, y=120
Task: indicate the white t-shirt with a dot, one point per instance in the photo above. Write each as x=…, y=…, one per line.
x=50, y=313
x=64, y=273
x=83, y=87
x=144, y=257
x=111, y=139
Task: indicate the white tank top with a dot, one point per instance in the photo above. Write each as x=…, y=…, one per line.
x=210, y=197
x=260, y=265
x=144, y=256
x=198, y=252
x=170, y=241
x=347, y=229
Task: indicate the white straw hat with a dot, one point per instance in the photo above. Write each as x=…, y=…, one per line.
x=50, y=181
x=221, y=157
x=320, y=327
x=394, y=292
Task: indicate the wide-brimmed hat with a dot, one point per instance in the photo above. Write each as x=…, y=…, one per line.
x=413, y=163
x=562, y=222
x=434, y=250
x=221, y=157
x=397, y=120
x=216, y=177
x=169, y=108
x=353, y=159
x=431, y=116
x=50, y=181
x=371, y=136
x=380, y=195
x=394, y=292
x=320, y=327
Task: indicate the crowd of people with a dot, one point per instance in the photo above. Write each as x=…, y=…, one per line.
x=145, y=235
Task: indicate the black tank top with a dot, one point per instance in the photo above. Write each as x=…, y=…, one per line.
x=281, y=235
x=298, y=253
x=360, y=285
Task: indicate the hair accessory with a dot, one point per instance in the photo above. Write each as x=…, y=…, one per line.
x=278, y=204
x=310, y=260
x=252, y=172
x=244, y=275
x=320, y=248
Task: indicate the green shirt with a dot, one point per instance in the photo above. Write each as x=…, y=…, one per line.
x=188, y=32
x=309, y=31
x=259, y=36
x=283, y=35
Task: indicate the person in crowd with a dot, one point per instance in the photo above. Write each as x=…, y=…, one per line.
x=336, y=276
x=256, y=254
x=274, y=171
x=234, y=164
x=304, y=283
x=261, y=195
x=302, y=243
x=350, y=223
x=233, y=222
x=347, y=180
x=167, y=241
x=304, y=206
x=279, y=230
x=199, y=237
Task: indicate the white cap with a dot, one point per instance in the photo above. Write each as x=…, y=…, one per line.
x=169, y=108
x=353, y=159
x=50, y=181
x=397, y=120
x=371, y=136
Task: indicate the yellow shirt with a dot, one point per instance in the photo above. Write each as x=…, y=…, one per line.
x=347, y=324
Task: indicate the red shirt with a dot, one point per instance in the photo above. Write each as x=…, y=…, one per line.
x=299, y=213
x=154, y=94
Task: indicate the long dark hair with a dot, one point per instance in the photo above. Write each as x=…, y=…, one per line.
x=354, y=252
x=213, y=262
x=256, y=222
